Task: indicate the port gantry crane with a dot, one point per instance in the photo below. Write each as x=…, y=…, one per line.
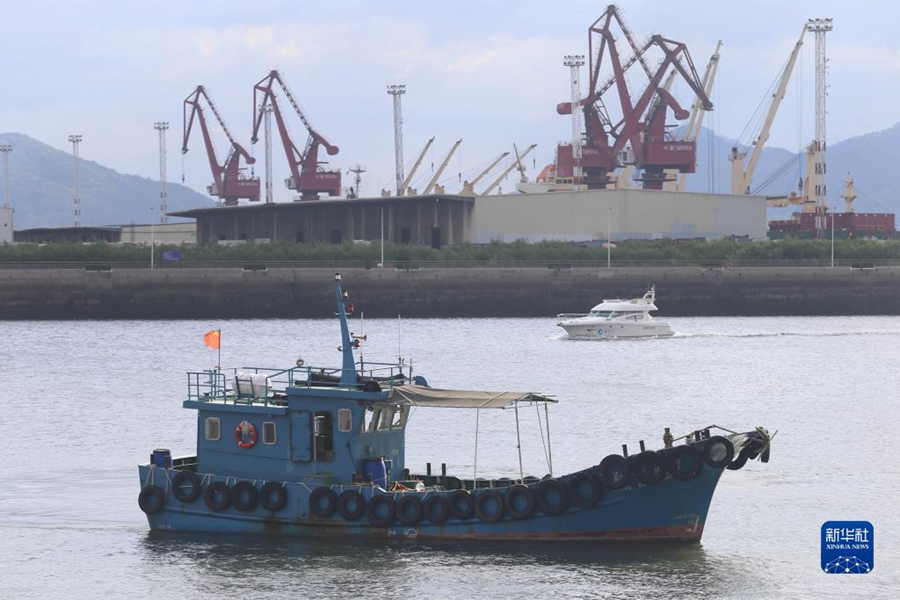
x=741, y=176
x=642, y=125
x=229, y=182
x=515, y=164
x=307, y=176
x=405, y=190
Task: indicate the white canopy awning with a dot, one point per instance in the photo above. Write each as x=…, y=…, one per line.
x=417, y=395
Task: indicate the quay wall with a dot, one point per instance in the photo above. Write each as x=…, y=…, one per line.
x=234, y=292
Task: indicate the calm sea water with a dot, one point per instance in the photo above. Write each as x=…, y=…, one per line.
x=84, y=402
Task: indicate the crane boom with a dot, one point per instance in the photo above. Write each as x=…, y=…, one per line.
x=440, y=170
x=695, y=123
x=490, y=167
x=507, y=170
x=742, y=185
x=229, y=183
x=415, y=167
x=692, y=131
x=307, y=176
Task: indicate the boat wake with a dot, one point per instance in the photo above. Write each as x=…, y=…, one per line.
x=775, y=334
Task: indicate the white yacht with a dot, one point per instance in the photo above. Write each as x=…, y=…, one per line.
x=617, y=318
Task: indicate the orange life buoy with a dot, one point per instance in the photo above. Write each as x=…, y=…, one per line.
x=245, y=435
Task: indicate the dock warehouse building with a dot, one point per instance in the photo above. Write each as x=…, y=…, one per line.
x=440, y=219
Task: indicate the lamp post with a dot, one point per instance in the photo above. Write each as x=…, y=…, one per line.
x=608, y=235
x=152, y=242
x=381, y=264
x=832, y=240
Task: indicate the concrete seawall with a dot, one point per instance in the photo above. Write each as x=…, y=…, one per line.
x=441, y=292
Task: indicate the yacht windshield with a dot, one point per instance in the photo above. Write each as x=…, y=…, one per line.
x=601, y=313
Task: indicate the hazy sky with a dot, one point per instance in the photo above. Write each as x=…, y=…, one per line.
x=488, y=72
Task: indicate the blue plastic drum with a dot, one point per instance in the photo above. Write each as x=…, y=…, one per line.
x=375, y=471
x=162, y=458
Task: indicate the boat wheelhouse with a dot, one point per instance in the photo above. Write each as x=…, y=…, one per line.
x=321, y=452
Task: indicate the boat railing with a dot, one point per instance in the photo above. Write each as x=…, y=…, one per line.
x=256, y=385
x=240, y=385
x=571, y=315
x=387, y=375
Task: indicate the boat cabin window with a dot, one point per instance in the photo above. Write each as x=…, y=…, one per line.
x=324, y=435
x=370, y=420
x=387, y=414
x=601, y=313
x=213, y=429
x=345, y=419
x=384, y=418
x=268, y=436
x=400, y=416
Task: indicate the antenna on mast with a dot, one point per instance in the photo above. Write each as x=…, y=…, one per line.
x=357, y=171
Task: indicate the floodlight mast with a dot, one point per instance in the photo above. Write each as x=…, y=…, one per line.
x=76, y=142
x=161, y=127
x=397, y=91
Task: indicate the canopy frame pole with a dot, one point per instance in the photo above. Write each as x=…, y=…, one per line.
x=549, y=444
x=475, y=465
x=519, y=446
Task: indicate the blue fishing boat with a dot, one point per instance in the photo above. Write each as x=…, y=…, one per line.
x=308, y=451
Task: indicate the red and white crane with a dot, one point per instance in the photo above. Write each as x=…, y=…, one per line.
x=229, y=182
x=642, y=124
x=307, y=175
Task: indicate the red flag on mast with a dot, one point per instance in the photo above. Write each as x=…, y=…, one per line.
x=212, y=338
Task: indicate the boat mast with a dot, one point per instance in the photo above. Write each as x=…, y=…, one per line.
x=348, y=370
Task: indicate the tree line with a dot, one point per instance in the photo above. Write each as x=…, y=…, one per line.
x=724, y=250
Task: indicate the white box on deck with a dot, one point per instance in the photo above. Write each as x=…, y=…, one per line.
x=254, y=385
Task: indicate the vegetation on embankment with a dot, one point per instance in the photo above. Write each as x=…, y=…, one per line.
x=485, y=254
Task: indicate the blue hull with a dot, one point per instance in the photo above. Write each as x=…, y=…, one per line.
x=671, y=510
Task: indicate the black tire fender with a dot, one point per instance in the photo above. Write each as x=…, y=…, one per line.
x=675, y=460
x=649, y=467
x=738, y=463
x=196, y=487
x=608, y=469
x=462, y=505
x=273, y=496
x=585, y=491
x=152, y=499
x=244, y=496
x=351, y=505
x=716, y=444
x=217, y=496
x=436, y=509
x=322, y=502
x=513, y=509
x=409, y=510
x=548, y=489
x=483, y=502
x=373, y=514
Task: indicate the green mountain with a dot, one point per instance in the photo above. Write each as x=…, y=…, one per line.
x=41, y=189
